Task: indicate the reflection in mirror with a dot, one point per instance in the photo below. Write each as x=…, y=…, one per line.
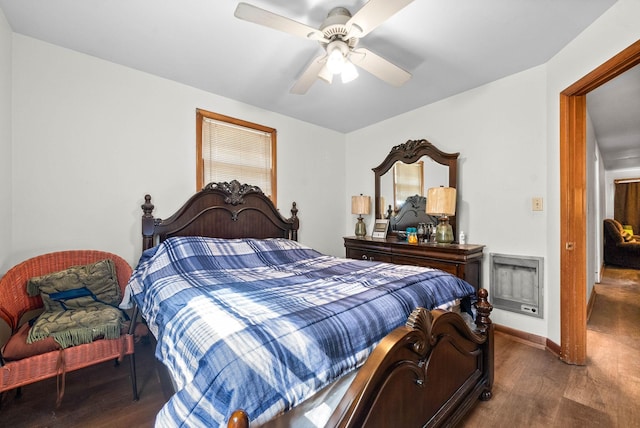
x=408, y=180
x=403, y=178
x=412, y=214
x=394, y=192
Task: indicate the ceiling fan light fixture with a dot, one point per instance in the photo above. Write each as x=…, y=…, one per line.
x=325, y=74
x=336, y=61
x=349, y=72
x=338, y=35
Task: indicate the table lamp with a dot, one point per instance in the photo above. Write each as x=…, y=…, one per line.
x=441, y=202
x=360, y=205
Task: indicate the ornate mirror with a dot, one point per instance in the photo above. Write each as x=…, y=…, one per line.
x=402, y=180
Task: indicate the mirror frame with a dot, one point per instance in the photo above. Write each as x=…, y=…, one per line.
x=411, y=152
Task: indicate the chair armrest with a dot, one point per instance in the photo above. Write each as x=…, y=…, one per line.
x=632, y=246
x=5, y=334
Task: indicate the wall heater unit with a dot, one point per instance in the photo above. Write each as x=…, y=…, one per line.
x=517, y=284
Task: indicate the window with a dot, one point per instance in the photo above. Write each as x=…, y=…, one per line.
x=626, y=203
x=233, y=149
x=407, y=181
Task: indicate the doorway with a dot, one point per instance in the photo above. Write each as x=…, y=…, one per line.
x=573, y=197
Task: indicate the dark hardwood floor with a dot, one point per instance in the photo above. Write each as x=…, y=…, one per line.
x=96, y=397
x=532, y=387
x=535, y=389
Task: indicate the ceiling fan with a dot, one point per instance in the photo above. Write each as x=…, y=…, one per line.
x=338, y=35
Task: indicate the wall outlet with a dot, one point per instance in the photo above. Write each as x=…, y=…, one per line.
x=536, y=204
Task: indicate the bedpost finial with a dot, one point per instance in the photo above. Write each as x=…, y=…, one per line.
x=484, y=309
x=296, y=222
x=238, y=419
x=147, y=207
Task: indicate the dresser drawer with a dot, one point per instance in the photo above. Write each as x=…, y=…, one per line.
x=463, y=261
x=361, y=254
x=451, y=268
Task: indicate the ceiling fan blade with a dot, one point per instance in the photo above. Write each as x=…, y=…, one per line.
x=374, y=13
x=259, y=16
x=309, y=76
x=379, y=67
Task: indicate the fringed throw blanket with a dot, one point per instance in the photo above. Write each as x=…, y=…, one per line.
x=77, y=326
x=80, y=304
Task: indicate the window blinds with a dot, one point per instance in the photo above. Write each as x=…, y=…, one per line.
x=233, y=152
x=408, y=181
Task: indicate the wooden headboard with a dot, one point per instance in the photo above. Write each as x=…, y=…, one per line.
x=411, y=213
x=221, y=210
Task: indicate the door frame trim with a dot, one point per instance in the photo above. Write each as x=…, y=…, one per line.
x=573, y=202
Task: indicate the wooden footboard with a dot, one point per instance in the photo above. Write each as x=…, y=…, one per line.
x=429, y=372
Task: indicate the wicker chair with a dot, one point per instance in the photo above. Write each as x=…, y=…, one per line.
x=17, y=307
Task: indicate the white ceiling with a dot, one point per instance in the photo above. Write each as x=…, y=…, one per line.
x=614, y=109
x=448, y=46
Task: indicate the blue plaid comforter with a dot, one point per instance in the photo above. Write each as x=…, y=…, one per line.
x=261, y=325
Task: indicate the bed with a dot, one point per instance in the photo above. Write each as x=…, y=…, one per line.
x=355, y=345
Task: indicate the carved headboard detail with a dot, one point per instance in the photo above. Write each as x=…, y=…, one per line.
x=221, y=210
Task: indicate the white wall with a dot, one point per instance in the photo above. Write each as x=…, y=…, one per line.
x=614, y=31
x=5, y=144
x=91, y=138
x=593, y=209
x=501, y=166
x=599, y=194
x=508, y=135
x=602, y=197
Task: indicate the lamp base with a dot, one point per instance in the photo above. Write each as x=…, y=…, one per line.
x=444, y=231
x=361, y=228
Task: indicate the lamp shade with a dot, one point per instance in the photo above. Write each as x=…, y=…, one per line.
x=441, y=201
x=360, y=204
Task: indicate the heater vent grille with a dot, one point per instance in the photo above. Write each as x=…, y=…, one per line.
x=517, y=284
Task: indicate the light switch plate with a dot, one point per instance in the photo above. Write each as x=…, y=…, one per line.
x=536, y=204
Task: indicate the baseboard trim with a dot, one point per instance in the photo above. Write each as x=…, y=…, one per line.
x=529, y=339
x=553, y=347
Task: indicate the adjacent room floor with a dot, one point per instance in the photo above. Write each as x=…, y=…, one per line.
x=532, y=387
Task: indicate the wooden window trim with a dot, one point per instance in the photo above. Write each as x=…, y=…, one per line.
x=201, y=114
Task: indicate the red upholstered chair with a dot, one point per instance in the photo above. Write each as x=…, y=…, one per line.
x=17, y=308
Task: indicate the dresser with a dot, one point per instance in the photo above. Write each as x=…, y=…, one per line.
x=461, y=260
